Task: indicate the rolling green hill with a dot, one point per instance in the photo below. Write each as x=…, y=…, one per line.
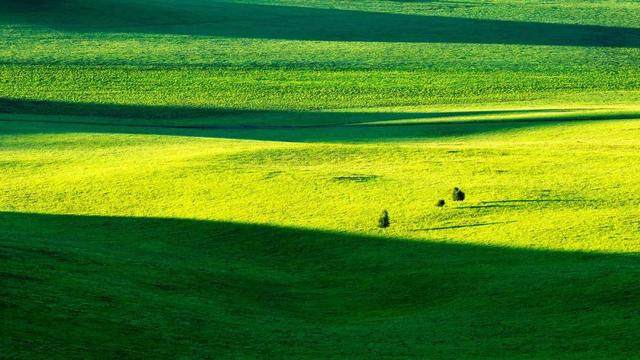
x=203, y=179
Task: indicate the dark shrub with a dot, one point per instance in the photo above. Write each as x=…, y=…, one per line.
x=383, y=221
x=440, y=203
x=458, y=195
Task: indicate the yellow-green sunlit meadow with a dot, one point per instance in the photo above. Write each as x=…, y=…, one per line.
x=203, y=179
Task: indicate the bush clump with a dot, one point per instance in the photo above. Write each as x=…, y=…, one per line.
x=440, y=203
x=383, y=221
x=458, y=195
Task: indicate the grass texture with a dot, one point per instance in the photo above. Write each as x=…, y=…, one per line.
x=203, y=179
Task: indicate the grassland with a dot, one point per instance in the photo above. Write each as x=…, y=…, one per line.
x=202, y=179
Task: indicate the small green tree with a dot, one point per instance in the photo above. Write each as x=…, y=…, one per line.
x=458, y=195
x=440, y=203
x=383, y=221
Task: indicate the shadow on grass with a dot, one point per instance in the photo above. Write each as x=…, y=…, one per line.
x=485, y=205
x=235, y=20
x=114, y=286
x=538, y=201
x=466, y=225
x=42, y=117
x=228, y=117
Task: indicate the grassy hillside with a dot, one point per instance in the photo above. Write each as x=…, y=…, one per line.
x=202, y=178
x=318, y=54
x=156, y=287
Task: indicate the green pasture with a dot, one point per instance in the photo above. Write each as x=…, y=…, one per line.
x=203, y=179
